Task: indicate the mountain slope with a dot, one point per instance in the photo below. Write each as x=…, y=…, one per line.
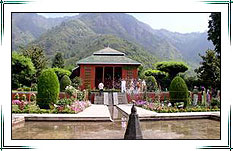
x=75, y=41
x=27, y=27
x=127, y=27
x=190, y=44
x=80, y=35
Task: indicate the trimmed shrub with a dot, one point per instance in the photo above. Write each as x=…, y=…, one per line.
x=61, y=72
x=48, y=89
x=178, y=91
x=155, y=73
x=151, y=84
x=171, y=67
x=65, y=81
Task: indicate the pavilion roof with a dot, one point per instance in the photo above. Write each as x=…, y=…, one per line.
x=108, y=56
x=108, y=51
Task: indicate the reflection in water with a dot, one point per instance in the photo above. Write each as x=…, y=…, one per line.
x=123, y=122
x=181, y=129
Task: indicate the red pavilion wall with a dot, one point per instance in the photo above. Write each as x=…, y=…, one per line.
x=126, y=73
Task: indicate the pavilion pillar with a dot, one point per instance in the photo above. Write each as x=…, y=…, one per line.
x=103, y=76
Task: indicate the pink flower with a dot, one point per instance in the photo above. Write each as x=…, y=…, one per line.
x=16, y=102
x=78, y=106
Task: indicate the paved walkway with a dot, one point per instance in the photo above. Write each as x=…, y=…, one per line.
x=151, y=115
x=101, y=113
x=141, y=112
x=92, y=113
x=95, y=110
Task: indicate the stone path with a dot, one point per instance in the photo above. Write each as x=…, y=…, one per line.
x=141, y=112
x=95, y=111
x=92, y=113
x=98, y=112
x=151, y=115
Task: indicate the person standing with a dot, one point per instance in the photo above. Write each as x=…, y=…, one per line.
x=203, y=96
x=195, y=96
x=208, y=97
x=131, y=86
x=101, y=87
x=138, y=86
x=123, y=86
x=143, y=85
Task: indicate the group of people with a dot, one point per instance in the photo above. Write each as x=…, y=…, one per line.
x=129, y=86
x=133, y=86
x=136, y=86
x=206, y=96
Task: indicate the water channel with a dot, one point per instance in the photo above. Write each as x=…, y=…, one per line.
x=173, y=129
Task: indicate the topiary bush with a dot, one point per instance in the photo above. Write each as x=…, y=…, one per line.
x=48, y=89
x=151, y=84
x=61, y=72
x=65, y=81
x=178, y=91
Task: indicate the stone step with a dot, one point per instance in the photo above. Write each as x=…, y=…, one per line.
x=122, y=99
x=99, y=100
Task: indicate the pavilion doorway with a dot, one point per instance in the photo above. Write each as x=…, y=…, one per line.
x=98, y=76
x=110, y=76
x=117, y=77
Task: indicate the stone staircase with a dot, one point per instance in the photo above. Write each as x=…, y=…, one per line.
x=122, y=99
x=99, y=99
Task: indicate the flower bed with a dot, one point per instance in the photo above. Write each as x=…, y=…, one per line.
x=157, y=107
x=64, y=107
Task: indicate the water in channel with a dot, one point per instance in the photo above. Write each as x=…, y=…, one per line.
x=173, y=129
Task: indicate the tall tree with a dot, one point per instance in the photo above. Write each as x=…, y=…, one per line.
x=22, y=70
x=36, y=54
x=58, y=61
x=209, y=71
x=214, y=32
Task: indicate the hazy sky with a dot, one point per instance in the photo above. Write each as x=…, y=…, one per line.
x=175, y=22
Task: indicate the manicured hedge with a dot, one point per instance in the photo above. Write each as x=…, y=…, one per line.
x=61, y=72
x=48, y=89
x=65, y=81
x=178, y=91
x=151, y=84
x=155, y=73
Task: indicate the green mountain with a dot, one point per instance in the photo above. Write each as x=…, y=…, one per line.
x=190, y=44
x=27, y=27
x=81, y=35
x=127, y=27
x=75, y=40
